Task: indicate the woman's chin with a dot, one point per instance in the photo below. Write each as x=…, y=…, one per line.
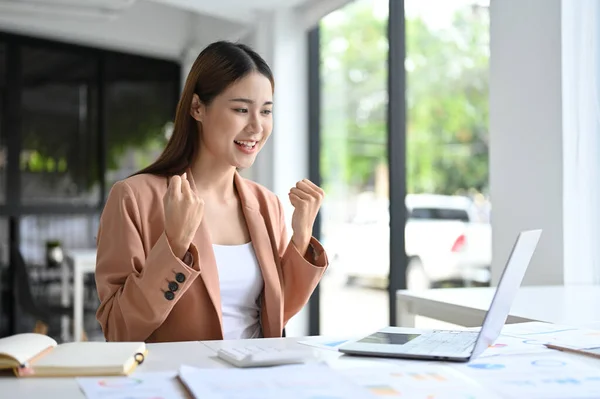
x=244, y=163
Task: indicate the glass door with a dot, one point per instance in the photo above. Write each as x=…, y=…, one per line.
x=354, y=168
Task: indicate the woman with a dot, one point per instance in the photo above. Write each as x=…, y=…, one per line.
x=190, y=250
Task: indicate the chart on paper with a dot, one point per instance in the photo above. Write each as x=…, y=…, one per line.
x=151, y=385
x=417, y=381
x=509, y=345
x=310, y=381
x=535, y=376
x=548, y=333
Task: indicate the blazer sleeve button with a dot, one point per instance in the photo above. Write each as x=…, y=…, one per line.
x=173, y=286
x=180, y=277
x=169, y=295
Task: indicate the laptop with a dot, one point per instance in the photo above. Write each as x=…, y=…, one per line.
x=459, y=346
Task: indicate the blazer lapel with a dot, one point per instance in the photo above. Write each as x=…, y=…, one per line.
x=265, y=254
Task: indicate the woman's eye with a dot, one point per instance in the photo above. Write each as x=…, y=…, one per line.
x=267, y=111
x=241, y=110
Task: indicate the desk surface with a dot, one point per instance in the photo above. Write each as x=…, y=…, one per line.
x=169, y=356
x=161, y=357
x=567, y=305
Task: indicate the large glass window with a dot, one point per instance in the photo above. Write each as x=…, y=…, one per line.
x=2, y=123
x=59, y=138
x=141, y=98
x=355, y=216
x=87, y=118
x=70, y=231
x=448, y=232
x=4, y=283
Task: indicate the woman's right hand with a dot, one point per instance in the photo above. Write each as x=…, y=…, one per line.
x=184, y=210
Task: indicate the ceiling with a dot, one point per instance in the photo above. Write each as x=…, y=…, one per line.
x=159, y=28
x=244, y=11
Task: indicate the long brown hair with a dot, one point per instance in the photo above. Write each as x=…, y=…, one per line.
x=216, y=67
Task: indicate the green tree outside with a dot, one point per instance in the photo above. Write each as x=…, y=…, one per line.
x=447, y=100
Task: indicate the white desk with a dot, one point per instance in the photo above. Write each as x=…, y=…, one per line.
x=169, y=356
x=161, y=357
x=567, y=305
x=82, y=261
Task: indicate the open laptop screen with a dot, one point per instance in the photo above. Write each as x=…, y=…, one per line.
x=507, y=289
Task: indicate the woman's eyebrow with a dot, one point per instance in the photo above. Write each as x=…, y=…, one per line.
x=248, y=101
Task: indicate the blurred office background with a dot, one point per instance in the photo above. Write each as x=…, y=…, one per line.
x=438, y=129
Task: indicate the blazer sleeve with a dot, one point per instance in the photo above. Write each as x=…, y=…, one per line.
x=301, y=273
x=132, y=282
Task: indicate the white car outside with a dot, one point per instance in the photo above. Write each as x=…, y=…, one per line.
x=446, y=240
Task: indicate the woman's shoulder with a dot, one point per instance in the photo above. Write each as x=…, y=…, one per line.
x=140, y=186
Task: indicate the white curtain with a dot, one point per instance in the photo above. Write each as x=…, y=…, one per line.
x=581, y=140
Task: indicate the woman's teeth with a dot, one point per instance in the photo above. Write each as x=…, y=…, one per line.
x=247, y=144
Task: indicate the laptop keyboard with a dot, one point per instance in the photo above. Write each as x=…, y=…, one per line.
x=442, y=342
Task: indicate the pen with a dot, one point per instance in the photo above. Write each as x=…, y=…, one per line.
x=591, y=352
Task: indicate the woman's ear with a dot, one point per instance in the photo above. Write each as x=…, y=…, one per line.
x=197, y=108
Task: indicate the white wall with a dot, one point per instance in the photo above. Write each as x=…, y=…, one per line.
x=526, y=173
x=202, y=31
x=581, y=140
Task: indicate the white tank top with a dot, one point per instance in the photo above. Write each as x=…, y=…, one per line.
x=241, y=284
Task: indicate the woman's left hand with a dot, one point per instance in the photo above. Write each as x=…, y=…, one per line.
x=306, y=198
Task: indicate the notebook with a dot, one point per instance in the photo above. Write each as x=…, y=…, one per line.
x=37, y=355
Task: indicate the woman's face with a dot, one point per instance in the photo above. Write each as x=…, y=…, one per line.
x=238, y=122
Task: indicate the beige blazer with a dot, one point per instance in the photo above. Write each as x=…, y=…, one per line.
x=147, y=294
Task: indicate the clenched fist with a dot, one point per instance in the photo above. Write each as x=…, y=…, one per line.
x=306, y=198
x=184, y=210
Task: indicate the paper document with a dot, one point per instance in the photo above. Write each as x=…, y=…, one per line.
x=314, y=381
x=417, y=381
x=535, y=376
x=332, y=344
x=508, y=345
x=556, y=334
x=163, y=385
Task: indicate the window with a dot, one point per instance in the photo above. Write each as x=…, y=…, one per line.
x=70, y=231
x=439, y=214
x=141, y=97
x=447, y=62
x=4, y=283
x=59, y=139
x=354, y=168
x=2, y=123
x=86, y=117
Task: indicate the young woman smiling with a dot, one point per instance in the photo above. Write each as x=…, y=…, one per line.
x=188, y=249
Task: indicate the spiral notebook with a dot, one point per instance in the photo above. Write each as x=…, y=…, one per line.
x=37, y=355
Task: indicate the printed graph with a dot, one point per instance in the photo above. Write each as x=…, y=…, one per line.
x=420, y=376
x=487, y=366
x=534, y=342
x=119, y=383
x=548, y=363
x=549, y=331
x=383, y=390
x=561, y=381
x=334, y=343
x=141, y=397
